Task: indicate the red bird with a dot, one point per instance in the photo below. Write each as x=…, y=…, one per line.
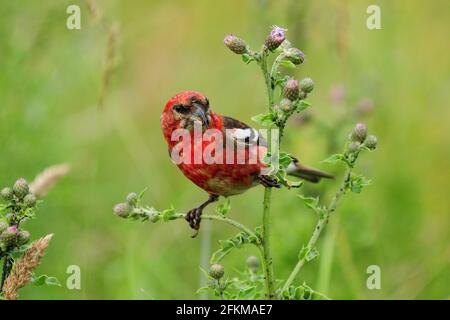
x=220, y=177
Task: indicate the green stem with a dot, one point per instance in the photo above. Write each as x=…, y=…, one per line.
x=267, y=253
x=267, y=261
x=322, y=222
x=276, y=64
x=234, y=223
x=7, y=266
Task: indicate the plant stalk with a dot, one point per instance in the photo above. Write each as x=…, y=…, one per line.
x=321, y=223
x=267, y=261
x=229, y=221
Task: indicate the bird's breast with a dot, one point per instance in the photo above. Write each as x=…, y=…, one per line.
x=219, y=170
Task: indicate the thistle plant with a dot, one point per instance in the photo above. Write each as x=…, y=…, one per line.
x=286, y=96
x=20, y=258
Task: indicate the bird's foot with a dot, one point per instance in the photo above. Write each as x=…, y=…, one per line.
x=269, y=182
x=194, y=217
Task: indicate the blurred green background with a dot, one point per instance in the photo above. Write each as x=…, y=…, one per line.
x=51, y=80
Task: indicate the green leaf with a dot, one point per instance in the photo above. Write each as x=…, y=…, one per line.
x=247, y=58
x=141, y=194
x=247, y=293
x=302, y=105
x=203, y=290
x=18, y=251
x=224, y=207
x=312, y=254
x=44, y=280
x=310, y=202
x=280, y=81
x=308, y=253
x=226, y=246
x=285, y=159
x=357, y=183
x=168, y=214
x=293, y=184
x=287, y=64
x=264, y=119
x=335, y=158
x=302, y=292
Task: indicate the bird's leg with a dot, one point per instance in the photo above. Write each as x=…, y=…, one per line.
x=194, y=216
x=268, y=181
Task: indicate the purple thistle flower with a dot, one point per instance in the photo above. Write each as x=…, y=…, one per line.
x=275, y=38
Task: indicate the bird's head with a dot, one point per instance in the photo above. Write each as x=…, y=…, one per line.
x=183, y=110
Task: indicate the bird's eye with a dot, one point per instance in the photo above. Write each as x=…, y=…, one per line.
x=180, y=108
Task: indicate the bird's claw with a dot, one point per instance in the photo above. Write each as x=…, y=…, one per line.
x=193, y=217
x=269, y=182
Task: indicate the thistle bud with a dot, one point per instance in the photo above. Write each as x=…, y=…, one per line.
x=253, y=263
x=296, y=56
x=291, y=90
x=216, y=271
x=3, y=226
x=132, y=199
x=307, y=85
x=7, y=194
x=122, y=209
x=9, y=235
x=29, y=200
x=235, y=44
x=21, y=188
x=275, y=38
x=353, y=146
x=286, y=105
x=302, y=95
x=359, y=133
x=23, y=237
x=371, y=142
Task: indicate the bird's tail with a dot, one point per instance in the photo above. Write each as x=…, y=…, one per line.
x=299, y=170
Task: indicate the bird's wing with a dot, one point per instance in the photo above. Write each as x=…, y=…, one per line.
x=240, y=132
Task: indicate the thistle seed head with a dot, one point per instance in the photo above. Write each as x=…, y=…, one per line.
x=307, y=85
x=235, y=44
x=296, y=56
x=253, y=263
x=275, y=38
x=29, y=200
x=359, y=133
x=353, y=146
x=286, y=105
x=122, y=210
x=291, y=90
x=7, y=194
x=371, y=142
x=22, y=237
x=21, y=188
x=216, y=271
x=9, y=235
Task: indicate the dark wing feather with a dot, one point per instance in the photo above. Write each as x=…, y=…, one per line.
x=231, y=123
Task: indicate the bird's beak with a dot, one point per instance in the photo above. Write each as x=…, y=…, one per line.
x=199, y=112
